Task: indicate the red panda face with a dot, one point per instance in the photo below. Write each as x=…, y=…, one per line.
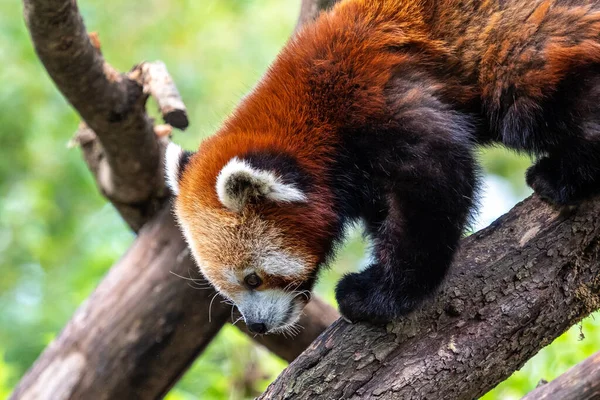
x=237, y=243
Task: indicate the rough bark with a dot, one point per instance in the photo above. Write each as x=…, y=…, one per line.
x=513, y=288
x=582, y=382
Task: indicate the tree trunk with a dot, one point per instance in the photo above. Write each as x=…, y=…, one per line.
x=513, y=288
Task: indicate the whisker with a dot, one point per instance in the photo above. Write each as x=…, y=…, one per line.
x=196, y=280
x=289, y=285
x=210, y=307
x=196, y=283
x=197, y=287
x=305, y=293
x=294, y=330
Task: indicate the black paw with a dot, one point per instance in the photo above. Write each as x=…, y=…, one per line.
x=364, y=297
x=546, y=179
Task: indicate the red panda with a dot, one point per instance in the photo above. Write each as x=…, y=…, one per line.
x=372, y=113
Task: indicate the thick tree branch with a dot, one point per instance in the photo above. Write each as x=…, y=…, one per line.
x=114, y=346
x=514, y=287
x=582, y=382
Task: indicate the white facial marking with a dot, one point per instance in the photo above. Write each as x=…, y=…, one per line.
x=230, y=277
x=238, y=181
x=172, y=161
x=273, y=307
x=282, y=264
x=294, y=316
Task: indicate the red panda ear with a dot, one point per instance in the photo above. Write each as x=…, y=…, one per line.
x=175, y=161
x=239, y=182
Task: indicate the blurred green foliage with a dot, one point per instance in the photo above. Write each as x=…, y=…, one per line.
x=58, y=237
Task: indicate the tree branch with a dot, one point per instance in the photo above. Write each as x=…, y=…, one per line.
x=112, y=104
x=156, y=80
x=513, y=288
x=114, y=346
x=582, y=382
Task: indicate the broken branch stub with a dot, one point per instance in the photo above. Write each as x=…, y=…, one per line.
x=156, y=81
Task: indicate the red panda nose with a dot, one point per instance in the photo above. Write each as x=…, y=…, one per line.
x=257, y=327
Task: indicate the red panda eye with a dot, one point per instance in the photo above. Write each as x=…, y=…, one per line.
x=252, y=281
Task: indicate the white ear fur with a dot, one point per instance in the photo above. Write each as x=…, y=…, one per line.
x=173, y=157
x=238, y=181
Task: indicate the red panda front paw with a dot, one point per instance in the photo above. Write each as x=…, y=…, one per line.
x=544, y=177
x=362, y=297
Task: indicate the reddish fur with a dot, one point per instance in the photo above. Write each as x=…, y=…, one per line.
x=329, y=77
x=264, y=120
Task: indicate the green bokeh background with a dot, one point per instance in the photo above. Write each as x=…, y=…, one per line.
x=58, y=237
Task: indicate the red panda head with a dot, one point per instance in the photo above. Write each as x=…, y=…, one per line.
x=245, y=220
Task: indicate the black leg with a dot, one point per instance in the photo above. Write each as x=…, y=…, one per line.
x=568, y=176
x=569, y=137
x=415, y=223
